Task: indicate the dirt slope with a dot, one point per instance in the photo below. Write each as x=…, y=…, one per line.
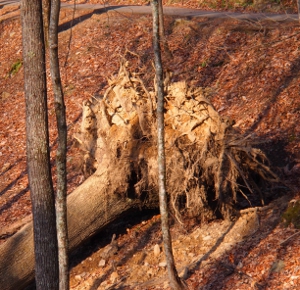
x=250, y=71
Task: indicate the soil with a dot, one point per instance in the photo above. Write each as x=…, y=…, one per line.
x=250, y=72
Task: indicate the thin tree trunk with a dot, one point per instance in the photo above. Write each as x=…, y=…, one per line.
x=61, y=203
x=46, y=4
x=37, y=143
x=163, y=39
x=161, y=20
x=175, y=282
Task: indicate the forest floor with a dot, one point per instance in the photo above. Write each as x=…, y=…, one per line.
x=250, y=71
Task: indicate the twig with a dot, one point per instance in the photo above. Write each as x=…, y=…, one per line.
x=298, y=231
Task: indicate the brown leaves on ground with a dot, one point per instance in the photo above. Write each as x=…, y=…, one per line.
x=249, y=69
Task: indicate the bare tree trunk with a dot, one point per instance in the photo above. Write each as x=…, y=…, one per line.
x=46, y=4
x=38, y=156
x=162, y=28
x=60, y=110
x=161, y=20
x=175, y=282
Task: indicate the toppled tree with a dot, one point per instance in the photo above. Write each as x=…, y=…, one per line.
x=208, y=161
x=208, y=164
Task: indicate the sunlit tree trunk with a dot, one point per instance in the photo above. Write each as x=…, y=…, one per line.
x=61, y=194
x=175, y=282
x=37, y=142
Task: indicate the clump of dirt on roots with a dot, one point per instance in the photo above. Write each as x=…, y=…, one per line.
x=210, y=166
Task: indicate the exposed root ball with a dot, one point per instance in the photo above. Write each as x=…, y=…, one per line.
x=208, y=161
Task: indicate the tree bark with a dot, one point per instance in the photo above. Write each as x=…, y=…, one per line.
x=175, y=282
x=46, y=4
x=90, y=208
x=161, y=21
x=60, y=110
x=37, y=143
x=162, y=34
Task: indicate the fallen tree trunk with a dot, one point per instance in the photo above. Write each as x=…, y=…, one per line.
x=89, y=209
x=208, y=163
